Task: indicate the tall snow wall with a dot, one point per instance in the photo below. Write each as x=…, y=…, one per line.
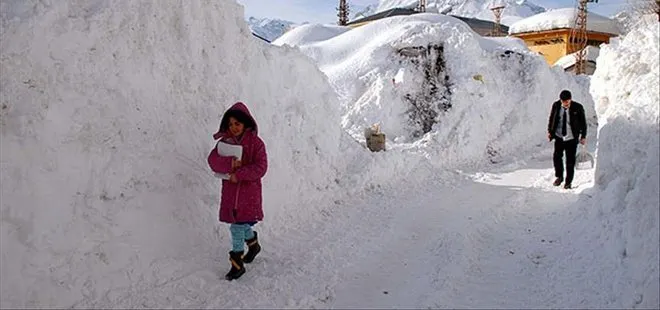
x=108, y=107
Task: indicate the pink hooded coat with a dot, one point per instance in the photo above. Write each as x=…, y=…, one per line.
x=241, y=202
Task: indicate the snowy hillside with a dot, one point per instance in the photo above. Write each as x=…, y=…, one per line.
x=514, y=9
x=493, y=101
x=269, y=29
x=627, y=94
x=365, y=11
x=108, y=108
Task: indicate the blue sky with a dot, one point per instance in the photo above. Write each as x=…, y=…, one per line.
x=323, y=11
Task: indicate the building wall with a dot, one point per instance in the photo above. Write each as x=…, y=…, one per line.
x=553, y=44
x=551, y=52
x=593, y=39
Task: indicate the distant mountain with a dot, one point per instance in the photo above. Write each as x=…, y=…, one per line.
x=514, y=10
x=363, y=12
x=269, y=29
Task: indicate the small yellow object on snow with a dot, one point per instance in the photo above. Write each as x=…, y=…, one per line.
x=478, y=77
x=375, y=138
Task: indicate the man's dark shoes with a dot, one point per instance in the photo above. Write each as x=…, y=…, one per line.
x=568, y=186
x=558, y=181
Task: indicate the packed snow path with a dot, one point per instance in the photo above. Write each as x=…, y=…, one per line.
x=456, y=239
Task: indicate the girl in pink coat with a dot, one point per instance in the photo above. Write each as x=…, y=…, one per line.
x=240, y=202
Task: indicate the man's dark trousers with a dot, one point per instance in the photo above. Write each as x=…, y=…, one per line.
x=570, y=147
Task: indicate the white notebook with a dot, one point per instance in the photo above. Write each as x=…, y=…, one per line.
x=226, y=149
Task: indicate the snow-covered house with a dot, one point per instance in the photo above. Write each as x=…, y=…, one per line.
x=548, y=33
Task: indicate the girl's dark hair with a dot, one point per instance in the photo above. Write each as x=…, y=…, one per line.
x=240, y=116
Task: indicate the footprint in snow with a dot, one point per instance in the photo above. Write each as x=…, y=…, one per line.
x=536, y=257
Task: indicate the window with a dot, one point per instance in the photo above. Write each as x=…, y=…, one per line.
x=549, y=41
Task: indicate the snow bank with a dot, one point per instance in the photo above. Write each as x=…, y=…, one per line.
x=500, y=92
x=107, y=113
x=569, y=60
x=563, y=18
x=626, y=92
x=309, y=33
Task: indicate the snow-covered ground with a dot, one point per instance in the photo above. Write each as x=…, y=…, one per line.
x=107, y=112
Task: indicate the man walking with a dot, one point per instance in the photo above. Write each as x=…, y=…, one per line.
x=567, y=125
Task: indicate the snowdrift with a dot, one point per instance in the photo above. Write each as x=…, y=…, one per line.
x=627, y=207
x=108, y=108
x=486, y=93
x=308, y=33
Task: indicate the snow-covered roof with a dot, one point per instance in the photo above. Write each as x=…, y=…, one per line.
x=563, y=18
x=569, y=60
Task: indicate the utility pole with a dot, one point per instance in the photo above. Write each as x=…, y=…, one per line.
x=577, y=40
x=497, y=10
x=422, y=6
x=342, y=13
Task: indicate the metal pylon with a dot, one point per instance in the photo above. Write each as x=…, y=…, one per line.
x=497, y=10
x=422, y=6
x=342, y=13
x=577, y=39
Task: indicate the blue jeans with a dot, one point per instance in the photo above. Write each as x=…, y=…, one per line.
x=239, y=233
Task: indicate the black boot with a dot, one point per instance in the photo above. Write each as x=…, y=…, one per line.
x=558, y=181
x=253, y=249
x=237, y=267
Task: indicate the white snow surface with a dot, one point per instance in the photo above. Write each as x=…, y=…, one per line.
x=627, y=96
x=569, y=60
x=503, y=113
x=107, y=200
x=625, y=21
x=564, y=18
x=309, y=33
x=514, y=10
x=108, y=108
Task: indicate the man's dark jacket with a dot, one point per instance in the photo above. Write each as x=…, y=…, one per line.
x=578, y=121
